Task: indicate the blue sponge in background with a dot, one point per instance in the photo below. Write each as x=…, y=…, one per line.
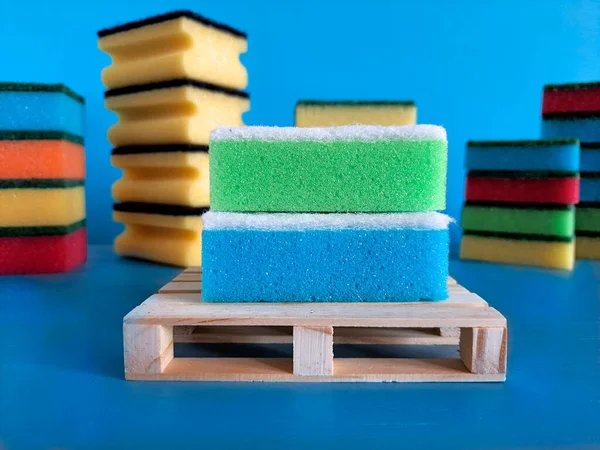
x=589, y=189
x=590, y=157
x=584, y=128
x=324, y=257
x=41, y=107
x=560, y=155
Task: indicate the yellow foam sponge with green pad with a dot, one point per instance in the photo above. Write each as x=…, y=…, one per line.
x=315, y=113
x=333, y=169
x=179, y=44
x=518, y=249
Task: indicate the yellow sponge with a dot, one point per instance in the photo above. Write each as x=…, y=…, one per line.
x=173, y=246
x=174, y=178
x=587, y=247
x=29, y=203
x=556, y=255
x=312, y=113
x=173, y=112
x=174, y=45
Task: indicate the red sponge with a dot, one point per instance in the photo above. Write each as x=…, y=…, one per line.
x=42, y=254
x=571, y=98
x=523, y=190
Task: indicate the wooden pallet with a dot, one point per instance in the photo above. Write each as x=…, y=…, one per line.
x=177, y=315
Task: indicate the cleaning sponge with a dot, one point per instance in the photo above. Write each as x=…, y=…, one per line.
x=40, y=107
x=324, y=257
x=314, y=113
x=550, y=155
x=336, y=169
x=168, y=46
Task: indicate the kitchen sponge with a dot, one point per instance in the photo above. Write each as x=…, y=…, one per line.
x=324, y=257
x=335, y=169
x=313, y=113
x=40, y=107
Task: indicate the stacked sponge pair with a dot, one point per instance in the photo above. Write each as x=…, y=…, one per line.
x=520, y=202
x=173, y=79
x=42, y=173
x=573, y=110
x=337, y=214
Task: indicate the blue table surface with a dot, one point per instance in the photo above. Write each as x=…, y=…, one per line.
x=62, y=386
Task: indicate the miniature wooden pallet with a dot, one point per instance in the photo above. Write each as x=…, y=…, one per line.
x=177, y=314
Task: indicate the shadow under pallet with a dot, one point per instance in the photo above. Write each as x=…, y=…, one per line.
x=177, y=315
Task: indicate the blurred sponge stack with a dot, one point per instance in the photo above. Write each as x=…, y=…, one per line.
x=573, y=111
x=173, y=79
x=315, y=113
x=520, y=198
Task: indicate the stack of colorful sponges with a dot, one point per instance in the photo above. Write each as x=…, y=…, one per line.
x=174, y=78
x=316, y=113
x=520, y=202
x=42, y=173
x=339, y=214
x=573, y=111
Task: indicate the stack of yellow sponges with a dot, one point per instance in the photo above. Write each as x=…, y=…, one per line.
x=173, y=78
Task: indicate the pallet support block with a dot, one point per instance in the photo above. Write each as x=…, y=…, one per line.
x=148, y=348
x=313, y=351
x=483, y=350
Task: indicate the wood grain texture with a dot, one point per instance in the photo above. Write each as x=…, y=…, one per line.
x=187, y=309
x=313, y=351
x=345, y=370
x=483, y=350
x=283, y=335
x=148, y=348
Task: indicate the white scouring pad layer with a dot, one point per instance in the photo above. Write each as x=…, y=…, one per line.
x=324, y=134
x=324, y=257
x=286, y=221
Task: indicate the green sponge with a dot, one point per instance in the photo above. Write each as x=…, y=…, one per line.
x=333, y=169
x=588, y=217
x=520, y=218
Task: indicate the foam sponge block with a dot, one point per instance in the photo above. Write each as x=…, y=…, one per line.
x=172, y=112
x=582, y=126
x=175, y=178
x=313, y=113
x=557, y=155
x=40, y=107
x=556, y=255
x=590, y=188
x=47, y=253
x=588, y=217
x=44, y=154
x=571, y=97
x=587, y=247
x=161, y=233
x=335, y=169
x=519, y=218
x=41, y=202
x=168, y=46
x=563, y=190
x=324, y=257
x=590, y=158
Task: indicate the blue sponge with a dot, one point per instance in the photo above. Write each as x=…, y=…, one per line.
x=589, y=189
x=539, y=155
x=586, y=129
x=324, y=257
x=40, y=107
x=590, y=158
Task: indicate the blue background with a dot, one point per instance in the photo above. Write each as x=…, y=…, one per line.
x=475, y=67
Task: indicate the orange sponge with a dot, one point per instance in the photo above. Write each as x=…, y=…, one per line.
x=41, y=155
